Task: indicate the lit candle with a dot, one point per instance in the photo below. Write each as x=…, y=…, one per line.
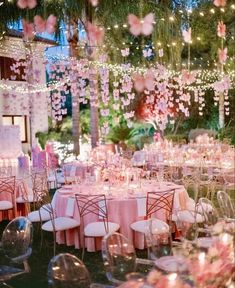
x=202, y=259
x=172, y=279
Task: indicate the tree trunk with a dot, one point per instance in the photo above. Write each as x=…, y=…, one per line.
x=221, y=110
x=30, y=81
x=94, y=112
x=73, y=51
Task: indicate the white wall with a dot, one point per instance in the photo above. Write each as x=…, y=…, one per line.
x=18, y=103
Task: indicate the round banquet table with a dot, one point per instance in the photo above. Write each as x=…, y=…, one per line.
x=125, y=204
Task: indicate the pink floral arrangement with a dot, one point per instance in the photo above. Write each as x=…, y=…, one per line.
x=216, y=268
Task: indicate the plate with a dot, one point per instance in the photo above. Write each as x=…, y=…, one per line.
x=171, y=263
x=205, y=242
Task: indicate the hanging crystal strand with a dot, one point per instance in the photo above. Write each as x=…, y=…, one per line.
x=221, y=94
x=30, y=82
x=94, y=117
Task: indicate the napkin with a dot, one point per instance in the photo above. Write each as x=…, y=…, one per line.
x=70, y=207
x=102, y=209
x=141, y=206
x=73, y=171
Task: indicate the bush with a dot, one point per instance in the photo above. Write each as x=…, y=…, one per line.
x=178, y=138
x=194, y=133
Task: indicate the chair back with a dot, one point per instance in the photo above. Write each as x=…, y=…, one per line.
x=7, y=187
x=93, y=204
x=17, y=239
x=40, y=187
x=119, y=257
x=67, y=271
x=208, y=210
x=5, y=171
x=226, y=206
x=160, y=203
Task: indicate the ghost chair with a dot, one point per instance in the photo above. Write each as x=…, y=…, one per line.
x=16, y=247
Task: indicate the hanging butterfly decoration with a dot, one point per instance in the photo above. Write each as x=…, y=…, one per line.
x=42, y=25
x=219, y=3
x=28, y=30
x=125, y=52
x=223, y=55
x=141, y=26
x=142, y=82
x=187, y=35
x=221, y=29
x=23, y=4
x=95, y=34
x=148, y=53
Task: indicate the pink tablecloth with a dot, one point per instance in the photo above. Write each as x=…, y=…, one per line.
x=123, y=208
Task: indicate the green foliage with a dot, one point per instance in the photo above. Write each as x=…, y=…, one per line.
x=178, y=138
x=61, y=132
x=227, y=134
x=119, y=133
x=141, y=133
x=85, y=121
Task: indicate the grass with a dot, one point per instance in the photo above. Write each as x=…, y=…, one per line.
x=40, y=258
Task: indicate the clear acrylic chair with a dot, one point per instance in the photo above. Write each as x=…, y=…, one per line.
x=206, y=208
x=227, y=208
x=16, y=246
x=67, y=271
x=120, y=258
x=94, y=206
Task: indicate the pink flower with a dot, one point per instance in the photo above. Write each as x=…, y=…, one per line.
x=223, y=55
x=221, y=29
x=23, y=4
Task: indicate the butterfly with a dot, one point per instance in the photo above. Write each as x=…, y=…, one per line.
x=187, y=35
x=104, y=112
x=95, y=34
x=125, y=52
x=141, y=82
x=221, y=29
x=28, y=30
x=147, y=52
x=219, y=3
x=22, y=4
x=94, y=3
x=5, y=95
x=188, y=77
x=42, y=25
x=223, y=55
x=141, y=26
